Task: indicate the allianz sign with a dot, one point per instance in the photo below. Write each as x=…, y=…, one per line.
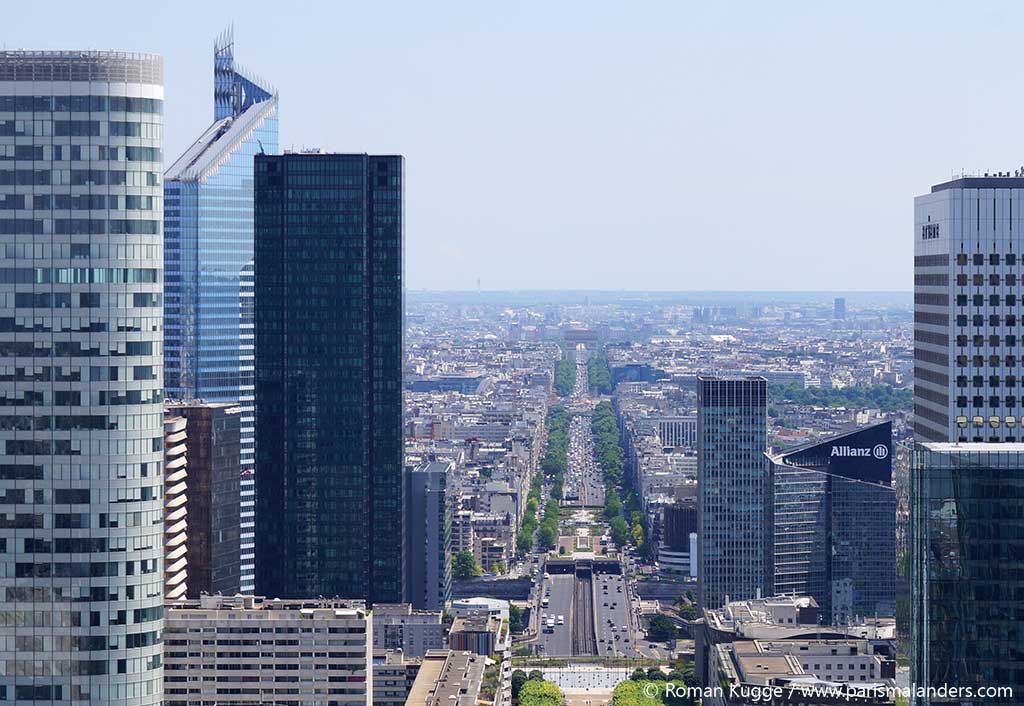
x=879, y=451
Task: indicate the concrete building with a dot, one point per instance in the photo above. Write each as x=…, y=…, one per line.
x=967, y=554
x=394, y=674
x=415, y=632
x=175, y=507
x=81, y=429
x=677, y=551
x=428, y=535
x=448, y=679
x=734, y=539
x=233, y=651
x=835, y=523
x=779, y=618
x=967, y=245
x=214, y=500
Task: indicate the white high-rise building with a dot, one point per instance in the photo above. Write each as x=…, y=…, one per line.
x=967, y=254
x=81, y=379
x=234, y=651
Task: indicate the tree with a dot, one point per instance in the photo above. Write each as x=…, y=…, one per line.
x=655, y=674
x=638, y=674
x=464, y=565
x=537, y=692
x=661, y=628
x=687, y=611
x=619, y=531
x=536, y=674
x=498, y=568
x=637, y=535
x=518, y=679
x=515, y=620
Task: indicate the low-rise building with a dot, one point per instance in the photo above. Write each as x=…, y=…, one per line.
x=448, y=679
x=397, y=626
x=240, y=650
x=394, y=673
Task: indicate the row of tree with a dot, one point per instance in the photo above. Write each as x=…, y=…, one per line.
x=883, y=397
x=556, y=453
x=565, y=375
x=599, y=375
x=606, y=443
x=524, y=538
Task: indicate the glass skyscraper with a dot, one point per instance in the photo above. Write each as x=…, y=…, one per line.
x=329, y=327
x=967, y=568
x=834, y=523
x=734, y=541
x=209, y=251
x=81, y=379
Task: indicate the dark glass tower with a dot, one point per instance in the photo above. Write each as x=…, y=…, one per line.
x=967, y=569
x=329, y=322
x=835, y=523
x=734, y=506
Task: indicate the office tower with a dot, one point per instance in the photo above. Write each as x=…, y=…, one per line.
x=835, y=524
x=329, y=308
x=209, y=252
x=428, y=536
x=967, y=245
x=81, y=462
x=212, y=457
x=242, y=650
x=175, y=507
x=839, y=308
x=734, y=502
x=967, y=580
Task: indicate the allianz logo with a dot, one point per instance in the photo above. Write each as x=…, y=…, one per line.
x=880, y=451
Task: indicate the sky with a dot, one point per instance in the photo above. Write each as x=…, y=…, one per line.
x=613, y=145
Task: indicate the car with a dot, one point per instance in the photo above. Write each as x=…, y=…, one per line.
x=606, y=604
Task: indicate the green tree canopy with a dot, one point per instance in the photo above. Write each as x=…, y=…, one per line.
x=464, y=565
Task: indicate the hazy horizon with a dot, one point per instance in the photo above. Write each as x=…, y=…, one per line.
x=661, y=146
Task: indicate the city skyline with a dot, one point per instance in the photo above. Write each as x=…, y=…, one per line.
x=782, y=160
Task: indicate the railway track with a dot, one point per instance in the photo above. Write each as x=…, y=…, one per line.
x=584, y=635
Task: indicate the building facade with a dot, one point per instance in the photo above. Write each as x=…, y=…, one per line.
x=428, y=540
x=209, y=239
x=329, y=328
x=234, y=651
x=175, y=507
x=967, y=567
x=734, y=500
x=967, y=249
x=834, y=521
x=81, y=432
x=214, y=523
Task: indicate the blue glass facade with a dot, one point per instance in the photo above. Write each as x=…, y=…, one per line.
x=967, y=569
x=208, y=226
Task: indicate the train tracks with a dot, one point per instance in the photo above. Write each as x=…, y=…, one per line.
x=584, y=635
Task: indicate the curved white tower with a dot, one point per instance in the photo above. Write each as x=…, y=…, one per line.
x=81, y=380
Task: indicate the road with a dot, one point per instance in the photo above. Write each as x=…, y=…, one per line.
x=558, y=642
x=615, y=633
x=584, y=485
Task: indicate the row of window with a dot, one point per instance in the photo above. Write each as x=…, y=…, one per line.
x=77, y=177
x=978, y=421
x=994, y=402
x=78, y=202
x=81, y=104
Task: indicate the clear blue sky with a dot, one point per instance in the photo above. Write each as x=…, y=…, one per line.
x=614, y=145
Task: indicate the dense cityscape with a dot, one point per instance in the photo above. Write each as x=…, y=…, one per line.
x=244, y=464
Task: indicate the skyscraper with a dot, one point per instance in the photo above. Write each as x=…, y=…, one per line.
x=81, y=458
x=428, y=536
x=967, y=568
x=735, y=493
x=209, y=252
x=834, y=523
x=329, y=327
x=967, y=249
x=839, y=308
x=211, y=457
